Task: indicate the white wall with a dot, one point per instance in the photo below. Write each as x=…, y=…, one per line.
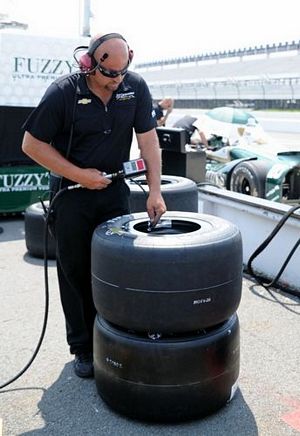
x=256, y=218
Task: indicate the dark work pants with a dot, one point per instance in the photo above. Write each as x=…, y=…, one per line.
x=76, y=215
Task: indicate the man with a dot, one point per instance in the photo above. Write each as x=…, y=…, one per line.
x=81, y=130
x=193, y=127
x=162, y=110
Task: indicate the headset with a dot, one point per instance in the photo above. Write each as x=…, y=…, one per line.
x=88, y=64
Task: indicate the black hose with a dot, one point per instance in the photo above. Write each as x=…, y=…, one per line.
x=46, y=311
x=139, y=183
x=265, y=243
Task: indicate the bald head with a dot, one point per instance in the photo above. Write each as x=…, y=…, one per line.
x=113, y=45
x=112, y=57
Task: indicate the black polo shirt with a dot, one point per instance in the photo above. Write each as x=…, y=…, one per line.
x=102, y=135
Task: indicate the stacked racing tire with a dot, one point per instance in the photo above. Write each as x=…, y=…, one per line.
x=166, y=334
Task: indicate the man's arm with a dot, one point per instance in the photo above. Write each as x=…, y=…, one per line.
x=203, y=138
x=166, y=104
x=150, y=152
x=47, y=156
x=162, y=121
x=199, y=123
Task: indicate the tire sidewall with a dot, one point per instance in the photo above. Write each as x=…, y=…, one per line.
x=253, y=172
x=34, y=223
x=176, y=282
x=239, y=175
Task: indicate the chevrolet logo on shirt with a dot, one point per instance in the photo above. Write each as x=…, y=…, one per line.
x=84, y=101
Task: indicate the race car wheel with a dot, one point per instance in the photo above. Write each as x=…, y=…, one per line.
x=184, y=275
x=179, y=193
x=250, y=178
x=34, y=232
x=167, y=378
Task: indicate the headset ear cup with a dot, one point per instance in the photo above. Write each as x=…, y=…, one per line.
x=85, y=62
x=130, y=55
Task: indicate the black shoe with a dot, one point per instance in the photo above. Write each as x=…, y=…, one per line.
x=83, y=365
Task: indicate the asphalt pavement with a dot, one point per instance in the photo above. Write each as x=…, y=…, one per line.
x=48, y=399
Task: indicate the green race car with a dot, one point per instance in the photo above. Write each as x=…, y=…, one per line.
x=255, y=169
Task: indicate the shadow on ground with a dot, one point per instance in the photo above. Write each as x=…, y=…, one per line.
x=72, y=406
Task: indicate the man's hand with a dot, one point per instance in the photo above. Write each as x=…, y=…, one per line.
x=156, y=208
x=93, y=179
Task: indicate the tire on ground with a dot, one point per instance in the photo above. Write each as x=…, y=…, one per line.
x=184, y=275
x=179, y=193
x=34, y=232
x=173, y=378
x=250, y=178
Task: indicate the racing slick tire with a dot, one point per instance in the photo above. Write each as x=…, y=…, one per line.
x=184, y=275
x=34, y=232
x=250, y=178
x=172, y=378
x=179, y=193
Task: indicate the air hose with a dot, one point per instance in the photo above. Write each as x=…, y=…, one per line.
x=262, y=247
x=46, y=311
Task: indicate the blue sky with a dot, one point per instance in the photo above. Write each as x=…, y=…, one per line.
x=162, y=29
